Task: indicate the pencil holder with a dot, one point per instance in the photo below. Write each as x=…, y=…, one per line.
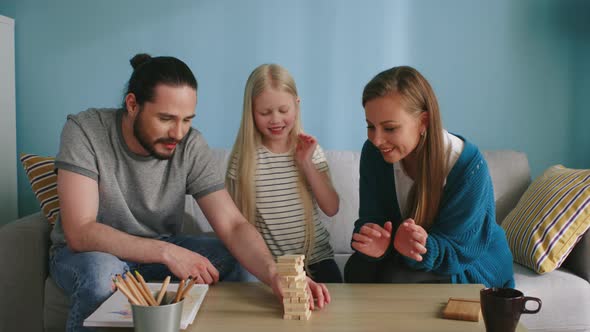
x=162, y=318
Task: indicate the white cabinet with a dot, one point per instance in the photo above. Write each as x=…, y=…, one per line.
x=8, y=158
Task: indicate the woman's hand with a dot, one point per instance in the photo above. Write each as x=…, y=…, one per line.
x=372, y=239
x=410, y=240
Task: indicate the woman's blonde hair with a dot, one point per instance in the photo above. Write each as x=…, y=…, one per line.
x=249, y=138
x=418, y=97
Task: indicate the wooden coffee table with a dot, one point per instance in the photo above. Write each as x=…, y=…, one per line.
x=245, y=307
x=355, y=307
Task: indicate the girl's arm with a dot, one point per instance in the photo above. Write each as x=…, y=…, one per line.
x=322, y=189
x=320, y=182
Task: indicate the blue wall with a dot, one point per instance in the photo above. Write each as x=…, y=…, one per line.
x=505, y=71
x=7, y=8
x=580, y=143
x=579, y=25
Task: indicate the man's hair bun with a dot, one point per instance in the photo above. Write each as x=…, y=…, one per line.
x=139, y=59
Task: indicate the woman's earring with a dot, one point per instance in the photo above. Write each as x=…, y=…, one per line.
x=422, y=140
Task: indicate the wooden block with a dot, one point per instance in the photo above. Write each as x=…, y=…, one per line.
x=287, y=292
x=296, y=285
x=295, y=312
x=290, y=279
x=305, y=316
x=301, y=299
x=292, y=288
x=294, y=264
x=289, y=273
x=281, y=267
x=290, y=258
x=296, y=307
x=298, y=312
x=462, y=309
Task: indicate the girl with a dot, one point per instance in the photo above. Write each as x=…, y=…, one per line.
x=278, y=175
x=427, y=211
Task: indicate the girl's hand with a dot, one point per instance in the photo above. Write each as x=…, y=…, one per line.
x=305, y=148
x=410, y=240
x=372, y=239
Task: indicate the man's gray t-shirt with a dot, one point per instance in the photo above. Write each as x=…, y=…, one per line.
x=139, y=195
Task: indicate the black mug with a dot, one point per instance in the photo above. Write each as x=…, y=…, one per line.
x=501, y=308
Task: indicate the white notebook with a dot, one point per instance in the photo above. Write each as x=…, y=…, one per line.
x=116, y=310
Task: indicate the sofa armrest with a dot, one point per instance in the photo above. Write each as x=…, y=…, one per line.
x=24, y=247
x=578, y=261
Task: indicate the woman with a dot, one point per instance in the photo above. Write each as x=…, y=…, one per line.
x=427, y=211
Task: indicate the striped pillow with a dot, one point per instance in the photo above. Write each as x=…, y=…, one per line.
x=550, y=218
x=41, y=174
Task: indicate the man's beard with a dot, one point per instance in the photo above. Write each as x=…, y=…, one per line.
x=143, y=139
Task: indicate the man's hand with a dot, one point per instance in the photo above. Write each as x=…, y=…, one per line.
x=372, y=239
x=410, y=240
x=184, y=263
x=317, y=292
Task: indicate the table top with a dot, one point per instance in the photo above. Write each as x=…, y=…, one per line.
x=354, y=307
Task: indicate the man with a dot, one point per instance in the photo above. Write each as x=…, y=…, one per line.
x=123, y=175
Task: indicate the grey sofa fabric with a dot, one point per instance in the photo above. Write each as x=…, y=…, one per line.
x=510, y=173
x=565, y=296
x=57, y=305
x=24, y=258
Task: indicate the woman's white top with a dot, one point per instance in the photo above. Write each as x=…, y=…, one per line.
x=403, y=183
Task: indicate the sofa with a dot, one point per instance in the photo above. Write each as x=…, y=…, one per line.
x=31, y=301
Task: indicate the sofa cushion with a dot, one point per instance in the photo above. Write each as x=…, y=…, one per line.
x=550, y=218
x=24, y=245
x=511, y=177
x=56, y=306
x=344, y=170
x=566, y=299
x=41, y=174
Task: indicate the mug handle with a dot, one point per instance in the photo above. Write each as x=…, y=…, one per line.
x=534, y=299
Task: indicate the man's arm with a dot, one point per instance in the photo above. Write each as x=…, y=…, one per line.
x=246, y=244
x=239, y=236
x=78, y=196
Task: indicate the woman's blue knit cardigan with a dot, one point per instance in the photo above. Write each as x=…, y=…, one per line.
x=464, y=241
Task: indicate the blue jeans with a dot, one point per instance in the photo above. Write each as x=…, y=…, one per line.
x=86, y=277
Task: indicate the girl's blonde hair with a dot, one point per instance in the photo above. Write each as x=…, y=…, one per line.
x=249, y=138
x=418, y=97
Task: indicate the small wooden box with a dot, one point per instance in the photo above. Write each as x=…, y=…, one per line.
x=462, y=309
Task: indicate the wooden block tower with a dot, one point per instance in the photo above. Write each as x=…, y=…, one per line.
x=294, y=287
